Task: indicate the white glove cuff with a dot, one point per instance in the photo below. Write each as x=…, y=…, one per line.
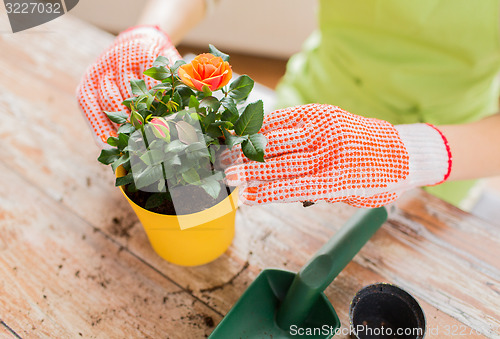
x=430, y=156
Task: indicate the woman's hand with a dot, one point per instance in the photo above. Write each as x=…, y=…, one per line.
x=107, y=82
x=321, y=152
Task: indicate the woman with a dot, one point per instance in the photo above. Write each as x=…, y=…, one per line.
x=421, y=78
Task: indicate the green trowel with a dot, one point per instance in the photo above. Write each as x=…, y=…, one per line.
x=284, y=304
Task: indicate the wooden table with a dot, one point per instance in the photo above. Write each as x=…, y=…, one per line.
x=75, y=262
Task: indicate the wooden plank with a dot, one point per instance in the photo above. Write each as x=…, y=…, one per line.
x=61, y=278
x=7, y=332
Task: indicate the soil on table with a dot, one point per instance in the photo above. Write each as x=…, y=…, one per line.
x=187, y=200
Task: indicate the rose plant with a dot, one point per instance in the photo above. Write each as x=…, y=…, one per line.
x=170, y=135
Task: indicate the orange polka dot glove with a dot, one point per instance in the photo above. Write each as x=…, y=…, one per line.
x=107, y=82
x=321, y=152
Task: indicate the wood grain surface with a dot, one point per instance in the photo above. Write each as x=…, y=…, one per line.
x=75, y=261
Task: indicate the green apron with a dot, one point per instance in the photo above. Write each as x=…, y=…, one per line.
x=403, y=61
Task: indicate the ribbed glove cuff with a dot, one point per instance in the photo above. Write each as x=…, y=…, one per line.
x=429, y=152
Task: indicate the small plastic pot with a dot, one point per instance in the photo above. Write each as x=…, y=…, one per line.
x=191, y=239
x=386, y=311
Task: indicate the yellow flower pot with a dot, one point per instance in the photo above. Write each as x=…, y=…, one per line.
x=191, y=239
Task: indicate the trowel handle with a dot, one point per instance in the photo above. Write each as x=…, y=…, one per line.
x=326, y=264
x=334, y=256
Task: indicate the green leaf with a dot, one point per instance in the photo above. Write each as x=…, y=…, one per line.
x=118, y=117
x=157, y=94
x=211, y=103
x=126, y=165
x=168, y=80
x=253, y=148
x=185, y=92
x=227, y=115
x=165, y=86
x=224, y=124
x=108, y=156
x=251, y=119
x=184, y=167
x=195, y=116
x=129, y=102
x=123, y=159
x=232, y=140
x=156, y=200
x=197, y=146
x=141, y=108
x=209, y=119
x=210, y=129
x=173, y=160
x=158, y=72
x=112, y=141
x=175, y=146
x=191, y=176
x=153, y=157
x=149, y=176
x=241, y=87
x=125, y=180
x=197, y=152
x=177, y=98
x=176, y=65
x=206, y=91
x=161, y=186
x=212, y=188
x=131, y=188
x=217, y=53
x=161, y=109
x=150, y=99
x=193, y=102
x=231, y=113
x=212, y=184
x=214, y=131
x=161, y=61
x=126, y=128
x=122, y=140
x=141, y=98
x=138, y=87
x=147, y=99
x=187, y=133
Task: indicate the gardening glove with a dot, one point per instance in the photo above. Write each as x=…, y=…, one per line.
x=107, y=82
x=321, y=152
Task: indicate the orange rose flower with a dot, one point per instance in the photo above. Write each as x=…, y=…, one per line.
x=206, y=70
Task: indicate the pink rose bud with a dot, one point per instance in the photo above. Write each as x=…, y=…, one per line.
x=160, y=128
